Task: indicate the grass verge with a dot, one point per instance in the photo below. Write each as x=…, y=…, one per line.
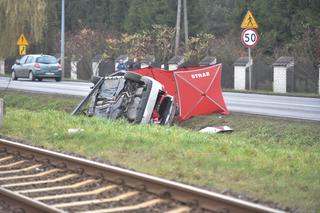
x=265, y=158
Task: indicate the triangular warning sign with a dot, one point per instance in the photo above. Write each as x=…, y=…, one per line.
x=249, y=21
x=22, y=41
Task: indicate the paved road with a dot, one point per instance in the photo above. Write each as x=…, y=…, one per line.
x=48, y=86
x=280, y=106
x=271, y=105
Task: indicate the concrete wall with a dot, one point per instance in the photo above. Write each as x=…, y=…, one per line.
x=95, y=68
x=239, y=77
x=279, y=79
x=144, y=65
x=173, y=67
x=74, y=71
x=2, y=66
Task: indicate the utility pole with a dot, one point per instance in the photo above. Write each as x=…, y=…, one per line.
x=178, y=28
x=185, y=16
x=62, y=38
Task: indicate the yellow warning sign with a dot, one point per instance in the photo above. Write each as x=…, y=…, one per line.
x=249, y=21
x=22, y=50
x=22, y=40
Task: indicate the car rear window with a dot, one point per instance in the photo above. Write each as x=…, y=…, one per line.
x=47, y=60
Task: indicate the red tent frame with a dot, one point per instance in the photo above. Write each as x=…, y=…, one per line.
x=197, y=90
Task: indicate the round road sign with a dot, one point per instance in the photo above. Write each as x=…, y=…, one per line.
x=249, y=37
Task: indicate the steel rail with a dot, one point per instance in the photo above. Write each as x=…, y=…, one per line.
x=28, y=204
x=205, y=199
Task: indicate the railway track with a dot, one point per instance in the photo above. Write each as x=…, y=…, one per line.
x=38, y=180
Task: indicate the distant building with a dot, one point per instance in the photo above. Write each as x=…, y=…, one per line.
x=241, y=73
x=283, y=75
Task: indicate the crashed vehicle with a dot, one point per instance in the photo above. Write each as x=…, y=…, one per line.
x=127, y=95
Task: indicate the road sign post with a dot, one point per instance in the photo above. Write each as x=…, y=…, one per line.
x=1, y=112
x=249, y=38
x=250, y=69
x=62, y=37
x=22, y=43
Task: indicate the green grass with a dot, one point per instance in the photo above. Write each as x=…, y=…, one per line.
x=264, y=158
x=38, y=102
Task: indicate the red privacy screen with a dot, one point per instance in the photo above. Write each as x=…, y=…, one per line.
x=197, y=90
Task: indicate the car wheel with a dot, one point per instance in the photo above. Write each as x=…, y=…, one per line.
x=58, y=79
x=13, y=75
x=31, y=76
x=39, y=79
x=132, y=76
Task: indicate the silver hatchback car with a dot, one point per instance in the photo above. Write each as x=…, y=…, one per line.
x=127, y=95
x=37, y=67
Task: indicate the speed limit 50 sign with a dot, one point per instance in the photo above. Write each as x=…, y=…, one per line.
x=249, y=37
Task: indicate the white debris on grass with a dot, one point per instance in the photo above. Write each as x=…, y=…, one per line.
x=74, y=130
x=217, y=129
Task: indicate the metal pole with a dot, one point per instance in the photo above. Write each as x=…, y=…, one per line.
x=185, y=14
x=250, y=69
x=62, y=38
x=1, y=112
x=178, y=28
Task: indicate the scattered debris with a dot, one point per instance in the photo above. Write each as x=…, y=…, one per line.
x=217, y=129
x=74, y=130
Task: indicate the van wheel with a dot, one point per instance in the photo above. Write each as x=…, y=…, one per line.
x=39, y=79
x=58, y=79
x=31, y=76
x=13, y=75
